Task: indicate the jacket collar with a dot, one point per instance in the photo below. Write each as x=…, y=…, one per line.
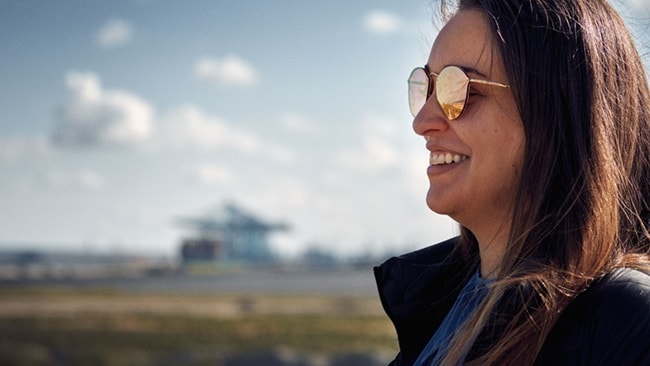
x=418, y=289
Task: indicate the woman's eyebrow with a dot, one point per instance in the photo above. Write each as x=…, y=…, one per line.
x=471, y=70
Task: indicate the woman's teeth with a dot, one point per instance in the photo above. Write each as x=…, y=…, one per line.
x=445, y=158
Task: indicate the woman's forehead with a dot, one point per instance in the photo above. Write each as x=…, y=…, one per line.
x=466, y=41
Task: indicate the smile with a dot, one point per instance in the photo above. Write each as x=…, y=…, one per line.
x=445, y=158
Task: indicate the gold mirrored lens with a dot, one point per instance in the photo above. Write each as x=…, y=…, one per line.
x=418, y=84
x=451, y=91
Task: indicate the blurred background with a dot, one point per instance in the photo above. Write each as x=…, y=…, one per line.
x=210, y=182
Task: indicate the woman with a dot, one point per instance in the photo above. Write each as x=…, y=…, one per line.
x=535, y=113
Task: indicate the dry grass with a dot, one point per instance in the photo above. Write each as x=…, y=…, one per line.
x=80, y=327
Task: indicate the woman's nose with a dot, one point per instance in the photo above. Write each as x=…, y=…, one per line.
x=430, y=118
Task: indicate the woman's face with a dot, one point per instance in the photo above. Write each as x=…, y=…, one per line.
x=479, y=189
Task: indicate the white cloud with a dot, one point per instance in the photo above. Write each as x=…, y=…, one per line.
x=82, y=179
x=639, y=5
x=94, y=116
x=18, y=147
x=211, y=174
x=229, y=71
x=189, y=127
x=114, y=33
x=296, y=123
x=382, y=22
x=377, y=151
x=375, y=154
x=279, y=153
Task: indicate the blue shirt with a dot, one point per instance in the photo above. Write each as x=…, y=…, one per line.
x=468, y=300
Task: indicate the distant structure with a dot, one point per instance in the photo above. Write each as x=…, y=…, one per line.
x=231, y=235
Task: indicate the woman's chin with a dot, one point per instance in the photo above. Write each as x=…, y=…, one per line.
x=437, y=206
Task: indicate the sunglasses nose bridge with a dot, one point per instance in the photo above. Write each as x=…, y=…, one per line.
x=431, y=110
x=430, y=95
x=431, y=117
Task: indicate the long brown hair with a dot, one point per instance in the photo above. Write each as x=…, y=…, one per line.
x=583, y=203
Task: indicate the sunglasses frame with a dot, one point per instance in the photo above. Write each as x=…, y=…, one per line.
x=431, y=76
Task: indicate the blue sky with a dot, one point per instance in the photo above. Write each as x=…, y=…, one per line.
x=120, y=116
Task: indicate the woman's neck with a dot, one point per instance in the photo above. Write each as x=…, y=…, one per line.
x=491, y=256
x=492, y=244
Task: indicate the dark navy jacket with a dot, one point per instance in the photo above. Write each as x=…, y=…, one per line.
x=608, y=324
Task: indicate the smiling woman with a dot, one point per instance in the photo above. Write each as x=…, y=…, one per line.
x=477, y=191
x=539, y=146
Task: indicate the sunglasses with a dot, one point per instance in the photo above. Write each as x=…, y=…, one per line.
x=452, y=89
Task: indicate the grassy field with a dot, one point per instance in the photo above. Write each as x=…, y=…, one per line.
x=106, y=327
